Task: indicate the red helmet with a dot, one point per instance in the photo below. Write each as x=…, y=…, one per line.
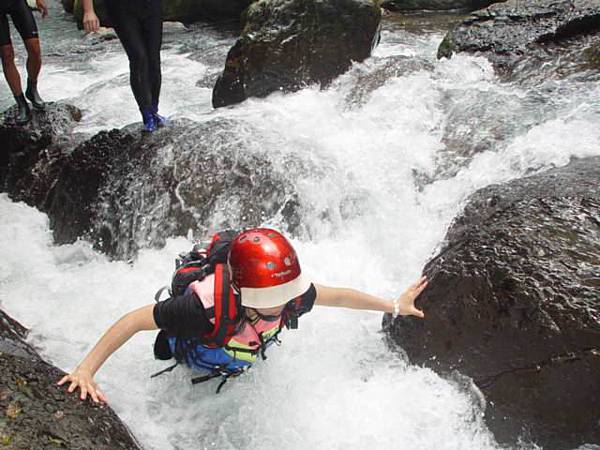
x=265, y=269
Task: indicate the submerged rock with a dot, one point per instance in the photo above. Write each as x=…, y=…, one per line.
x=513, y=303
x=592, y=56
x=506, y=31
x=436, y=5
x=38, y=414
x=288, y=44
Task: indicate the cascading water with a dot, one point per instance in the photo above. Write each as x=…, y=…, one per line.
x=400, y=142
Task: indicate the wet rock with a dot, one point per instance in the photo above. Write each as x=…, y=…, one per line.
x=513, y=303
x=376, y=72
x=506, y=32
x=186, y=11
x=592, y=56
x=68, y=5
x=29, y=159
x=132, y=190
x=191, y=10
x=288, y=44
x=436, y=5
x=123, y=189
x=37, y=414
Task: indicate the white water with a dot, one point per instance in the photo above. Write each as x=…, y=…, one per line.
x=333, y=384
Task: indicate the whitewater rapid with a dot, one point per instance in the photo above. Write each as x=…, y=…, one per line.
x=333, y=384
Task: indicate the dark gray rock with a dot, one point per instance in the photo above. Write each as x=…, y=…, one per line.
x=36, y=414
x=514, y=303
x=375, y=72
x=28, y=159
x=506, y=31
x=288, y=44
x=436, y=5
x=137, y=189
x=592, y=56
x=123, y=189
x=186, y=11
x=68, y=5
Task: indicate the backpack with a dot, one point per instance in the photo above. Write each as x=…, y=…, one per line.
x=198, y=263
x=195, y=266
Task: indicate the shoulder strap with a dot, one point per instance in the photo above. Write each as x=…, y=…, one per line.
x=228, y=310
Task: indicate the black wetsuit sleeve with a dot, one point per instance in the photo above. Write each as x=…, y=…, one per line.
x=182, y=316
x=304, y=303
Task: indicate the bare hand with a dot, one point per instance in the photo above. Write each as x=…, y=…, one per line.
x=41, y=5
x=91, y=23
x=82, y=379
x=408, y=297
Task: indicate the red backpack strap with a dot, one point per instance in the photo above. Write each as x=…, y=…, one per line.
x=228, y=309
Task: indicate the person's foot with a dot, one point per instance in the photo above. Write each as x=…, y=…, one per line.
x=23, y=111
x=161, y=121
x=149, y=120
x=34, y=97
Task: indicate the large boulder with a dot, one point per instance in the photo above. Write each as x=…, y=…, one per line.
x=288, y=44
x=28, y=160
x=436, y=5
x=506, y=31
x=513, y=302
x=38, y=414
x=123, y=189
x=186, y=11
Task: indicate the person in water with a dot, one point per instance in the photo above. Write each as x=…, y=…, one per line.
x=229, y=303
x=24, y=22
x=138, y=24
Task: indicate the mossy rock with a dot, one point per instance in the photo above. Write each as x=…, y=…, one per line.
x=289, y=44
x=186, y=11
x=436, y=5
x=592, y=56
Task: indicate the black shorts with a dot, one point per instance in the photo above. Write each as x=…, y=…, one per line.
x=22, y=19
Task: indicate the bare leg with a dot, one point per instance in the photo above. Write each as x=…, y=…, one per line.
x=34, y=58
x=13, y=78
x=34, y=65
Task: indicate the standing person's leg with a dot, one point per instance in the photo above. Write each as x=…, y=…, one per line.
x=34, y=65
x=24, y=22
x=129, y=29
x=153, y=29
x=11, y=73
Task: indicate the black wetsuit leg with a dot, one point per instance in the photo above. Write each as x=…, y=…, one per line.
x=22, y=18
x=138, y=24
x=153, y=26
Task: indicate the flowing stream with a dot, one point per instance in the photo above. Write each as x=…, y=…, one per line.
x=407, y=136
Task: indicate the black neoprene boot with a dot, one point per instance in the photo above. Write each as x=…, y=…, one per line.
x=34, y=97
x=23, y=111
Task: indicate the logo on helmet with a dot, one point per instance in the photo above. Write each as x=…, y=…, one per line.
x=281, y=274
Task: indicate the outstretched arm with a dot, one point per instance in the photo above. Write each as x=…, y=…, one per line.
x=351, y=298
x=128, y=325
